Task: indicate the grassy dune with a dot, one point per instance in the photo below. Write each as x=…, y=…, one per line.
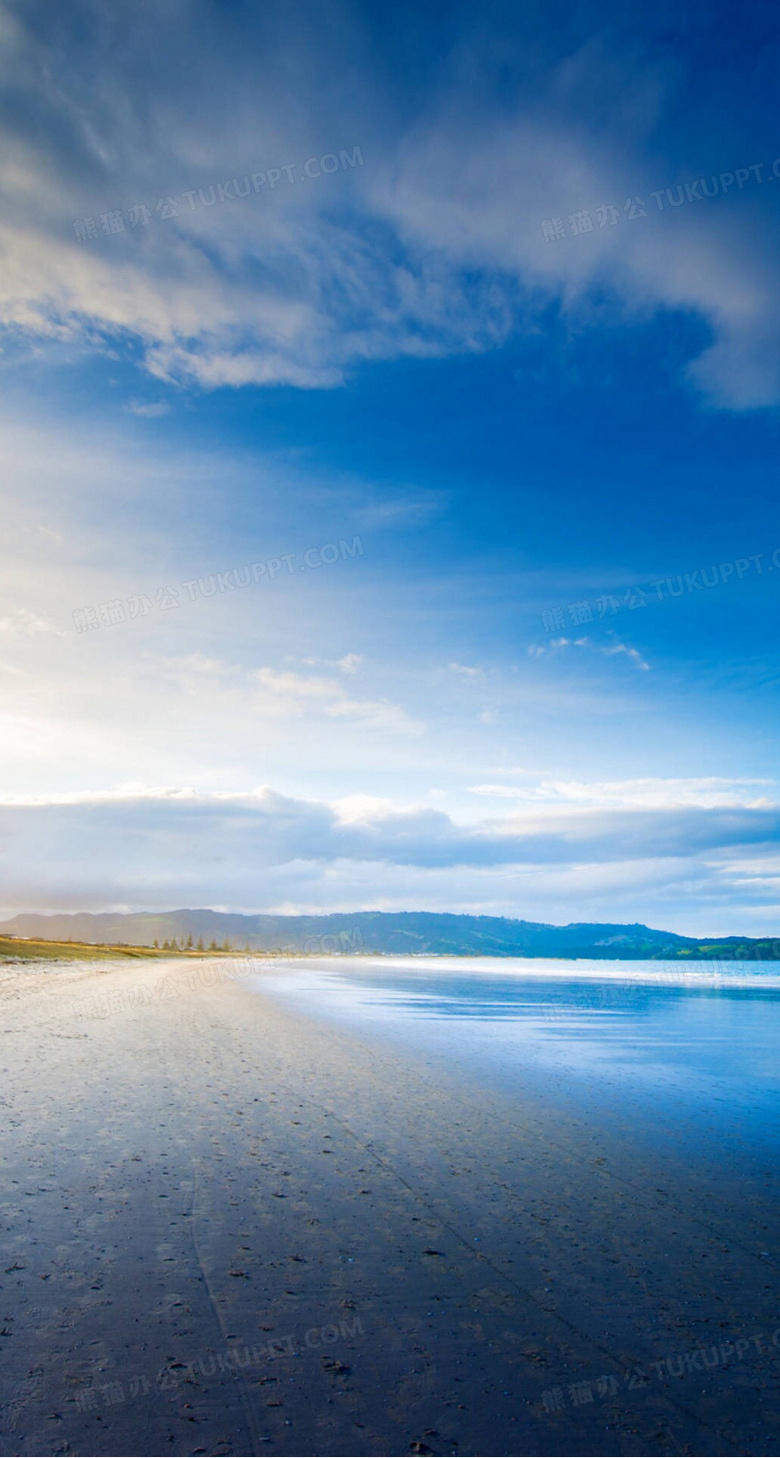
x=36, y=950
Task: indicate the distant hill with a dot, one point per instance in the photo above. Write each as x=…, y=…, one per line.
x=404, y=932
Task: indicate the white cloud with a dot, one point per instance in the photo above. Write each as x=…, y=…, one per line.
x=478, y=191
x=288, y=688
x=349, y=663
x=707, y=792
x=412, y=509
x=631, y=653
x=432, y=247
x=608, y=650
x=168, y=845
x=151, y=410
x=23, y=621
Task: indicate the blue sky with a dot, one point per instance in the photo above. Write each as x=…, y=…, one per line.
x=500, y=302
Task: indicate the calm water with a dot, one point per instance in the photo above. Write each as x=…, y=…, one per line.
x=674, y=1049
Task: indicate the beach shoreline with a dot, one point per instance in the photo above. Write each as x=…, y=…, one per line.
x=230, y=1228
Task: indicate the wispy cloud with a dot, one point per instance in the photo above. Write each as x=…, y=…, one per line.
x=709, y=792
x=410, y=509
x=349, y=663
x=287, y=689
x=23, y=621
x=151, y=410
x=608, y=650
x=435, y=242
x=632, y=653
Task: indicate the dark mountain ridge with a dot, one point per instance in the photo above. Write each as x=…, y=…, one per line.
x=396, y=932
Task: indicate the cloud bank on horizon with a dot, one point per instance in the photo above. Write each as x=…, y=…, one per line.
x=495, y=298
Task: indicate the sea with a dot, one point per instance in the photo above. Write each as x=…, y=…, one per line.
x=686, y=1055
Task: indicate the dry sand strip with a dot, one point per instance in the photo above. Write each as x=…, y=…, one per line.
x=227, y=1229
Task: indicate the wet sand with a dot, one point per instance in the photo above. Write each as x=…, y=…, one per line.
x=227, y=1229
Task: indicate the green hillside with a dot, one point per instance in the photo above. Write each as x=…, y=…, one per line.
x=395, y=933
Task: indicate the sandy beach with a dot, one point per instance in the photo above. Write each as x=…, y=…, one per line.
x=230, y=1229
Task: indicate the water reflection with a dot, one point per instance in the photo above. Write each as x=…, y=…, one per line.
x=681, y=1036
